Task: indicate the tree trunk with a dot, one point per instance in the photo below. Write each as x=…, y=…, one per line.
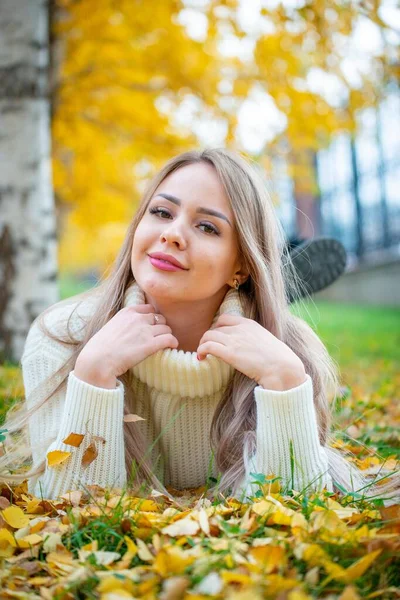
x=28, y=239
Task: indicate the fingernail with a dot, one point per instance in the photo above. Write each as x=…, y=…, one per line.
x=198, y=358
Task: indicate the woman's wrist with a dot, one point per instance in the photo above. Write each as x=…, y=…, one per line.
x=285, y=378
x=94, y=374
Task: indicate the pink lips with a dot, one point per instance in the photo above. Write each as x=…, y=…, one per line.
x=164, y=265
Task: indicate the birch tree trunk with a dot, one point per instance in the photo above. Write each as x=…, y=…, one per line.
x=28, y=238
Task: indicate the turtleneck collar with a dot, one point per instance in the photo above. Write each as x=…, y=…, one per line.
x=180, y=373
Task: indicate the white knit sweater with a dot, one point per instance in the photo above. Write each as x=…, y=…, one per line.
x=177, y=395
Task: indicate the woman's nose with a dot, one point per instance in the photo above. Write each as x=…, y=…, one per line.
x=173, y=234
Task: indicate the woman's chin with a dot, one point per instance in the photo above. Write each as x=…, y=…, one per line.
x=157, y=285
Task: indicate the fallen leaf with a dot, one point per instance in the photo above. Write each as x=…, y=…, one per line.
x=359, y=567
x=56, y=457
x=184, y=526
x=212, y=585
x=15, y=517
x=132, y=418
x=98, y=438
x=74, y=439
x=349, y=593
x=102, y=557
x=143, y=551
x=89, y=455
x=174, y=587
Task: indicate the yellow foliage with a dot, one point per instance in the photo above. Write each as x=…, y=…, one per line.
x=126, y=68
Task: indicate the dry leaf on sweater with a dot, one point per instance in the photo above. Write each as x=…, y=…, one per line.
x=132, y=418
x=55, y=457
x=89, y=455
x=98, y=438
x=74, y=439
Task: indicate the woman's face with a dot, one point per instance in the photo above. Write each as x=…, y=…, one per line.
x=205, y=244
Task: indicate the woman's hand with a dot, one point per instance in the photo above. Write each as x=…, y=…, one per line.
x=254, y=351
x=125, y=340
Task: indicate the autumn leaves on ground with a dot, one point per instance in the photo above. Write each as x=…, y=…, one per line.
x=278, y=544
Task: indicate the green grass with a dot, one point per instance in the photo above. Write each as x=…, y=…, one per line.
x=371, y=332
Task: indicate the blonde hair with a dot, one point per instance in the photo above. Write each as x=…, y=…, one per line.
x=264, y=297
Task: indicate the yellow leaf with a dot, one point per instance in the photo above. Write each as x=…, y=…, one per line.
x=37, y=526
x=33, y=506
x=203, y=520
x=74, y=439
x=276, y=512
x=6, y=538
x=143, y=551
x=116, y=595
x=55, y=457
x=298, y=595
x=132, y=548
x=184, y=526
x=299, y=520
x=231, y=577
x=329, y=521
x=145, y=505
x=15, y=517
x=93, y=546
x=29, y=540
x=172, y=561
x=278, y=584
x=359, y=567
x=271, y=557
x=40, y=580
x=349, y=593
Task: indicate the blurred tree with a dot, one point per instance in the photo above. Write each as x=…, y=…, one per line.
x=128, y=68
x=28, y=246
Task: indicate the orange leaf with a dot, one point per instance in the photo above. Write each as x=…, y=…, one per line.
x=89, y=455
x=55, y=457
x=74, y=439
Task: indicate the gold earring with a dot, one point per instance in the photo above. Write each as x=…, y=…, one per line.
x=236, y=284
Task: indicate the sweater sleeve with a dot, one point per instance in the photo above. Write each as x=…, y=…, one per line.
x=77, y=407
x=284, y=417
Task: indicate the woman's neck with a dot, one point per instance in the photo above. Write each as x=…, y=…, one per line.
x=188, y=321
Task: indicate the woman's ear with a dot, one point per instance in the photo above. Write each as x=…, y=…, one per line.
x=241, y=276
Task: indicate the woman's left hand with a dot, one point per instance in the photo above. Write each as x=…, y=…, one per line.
x=254, y=351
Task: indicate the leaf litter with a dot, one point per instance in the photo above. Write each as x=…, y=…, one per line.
x=283, y=544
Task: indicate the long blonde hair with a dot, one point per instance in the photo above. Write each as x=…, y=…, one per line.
x=265, y=299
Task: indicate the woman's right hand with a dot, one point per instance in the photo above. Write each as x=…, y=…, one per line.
x=127, y=339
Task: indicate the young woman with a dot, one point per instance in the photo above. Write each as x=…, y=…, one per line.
x=192, y=332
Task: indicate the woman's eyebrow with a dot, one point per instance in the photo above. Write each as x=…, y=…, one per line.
x=200, y=209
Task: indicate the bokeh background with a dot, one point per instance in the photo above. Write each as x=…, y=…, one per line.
x=308, y=90
x=96, y=96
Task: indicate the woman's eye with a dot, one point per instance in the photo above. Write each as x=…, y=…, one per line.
x=161, y=211
x=213, y=229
